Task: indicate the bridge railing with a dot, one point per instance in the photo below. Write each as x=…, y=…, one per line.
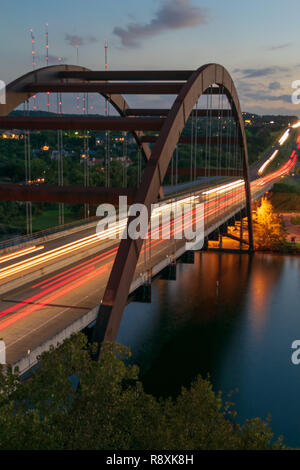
x=17, y=240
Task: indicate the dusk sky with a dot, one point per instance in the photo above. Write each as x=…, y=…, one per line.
x=256, y=41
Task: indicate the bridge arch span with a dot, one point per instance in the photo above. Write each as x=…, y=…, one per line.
x=116, y=293
x=195, y=84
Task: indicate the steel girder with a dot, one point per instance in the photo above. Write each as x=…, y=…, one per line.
x=67, y=194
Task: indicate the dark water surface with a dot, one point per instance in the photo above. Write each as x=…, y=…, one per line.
x=240, y=333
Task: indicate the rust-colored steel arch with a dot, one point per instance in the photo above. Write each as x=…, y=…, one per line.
x=17, y=93
x=117, y=289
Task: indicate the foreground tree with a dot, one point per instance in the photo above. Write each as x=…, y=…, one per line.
x=268, y=227
x=73, y=402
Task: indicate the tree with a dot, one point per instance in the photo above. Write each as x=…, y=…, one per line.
x=74, y=402
x=268, y=227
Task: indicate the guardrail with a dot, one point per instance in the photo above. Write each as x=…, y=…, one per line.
x=16, y=240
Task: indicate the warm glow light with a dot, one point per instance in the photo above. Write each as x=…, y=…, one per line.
x=17, y=254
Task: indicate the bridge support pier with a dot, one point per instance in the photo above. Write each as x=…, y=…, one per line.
x=169, y=272
x=188, y=257
x=143, y=294
x=241, y=234
x=221, y=241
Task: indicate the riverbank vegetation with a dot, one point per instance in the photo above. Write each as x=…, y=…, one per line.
x=270, y=233
x=285, y=195
x=109, y=409
x=268, y=227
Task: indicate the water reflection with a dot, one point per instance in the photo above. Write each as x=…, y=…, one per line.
x=229, y=315
x=264, y=280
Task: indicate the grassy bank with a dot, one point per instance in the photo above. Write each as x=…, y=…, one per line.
x=286, y=195
x=49, y=218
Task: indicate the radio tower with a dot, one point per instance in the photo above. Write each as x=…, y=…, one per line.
x=77, y=54
x=77, y=63
x=105, y=51
x=105, y=68
x=33, y=63
x=47, y=44
x=47, y=61
x=32, y=48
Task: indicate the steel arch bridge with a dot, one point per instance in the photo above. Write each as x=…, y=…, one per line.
x=187, y=86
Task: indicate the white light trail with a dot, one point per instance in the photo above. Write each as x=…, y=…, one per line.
x=225, y=187
x=17, y=254
x=284, y=137
x=267, y=162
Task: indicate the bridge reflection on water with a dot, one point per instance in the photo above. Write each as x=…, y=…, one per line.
x=240, y=333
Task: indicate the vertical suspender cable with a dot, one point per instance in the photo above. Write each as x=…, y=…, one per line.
x=86, y=157
x=196, y=141
x=176, y=166
x=192, y=141
x=60, y=159
x=28, y=172
x=107, y=134
x=125, y=160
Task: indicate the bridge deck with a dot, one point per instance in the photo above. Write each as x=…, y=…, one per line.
x=44, y=310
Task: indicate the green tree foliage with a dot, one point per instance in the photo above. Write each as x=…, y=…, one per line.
x=73, y=402
x=268, y=227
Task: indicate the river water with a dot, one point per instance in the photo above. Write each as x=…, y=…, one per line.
x=233, y=317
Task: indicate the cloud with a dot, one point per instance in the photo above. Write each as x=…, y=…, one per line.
x=252, y=92
x=265, y=96
x=285, y=98
x=75, y=40
x=172, y=15
x=280, y=46
x=260, y=72
x=274, y=86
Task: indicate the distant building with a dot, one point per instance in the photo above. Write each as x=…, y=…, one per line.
x=100, y=161
x=14, y=134
x=55, y=154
